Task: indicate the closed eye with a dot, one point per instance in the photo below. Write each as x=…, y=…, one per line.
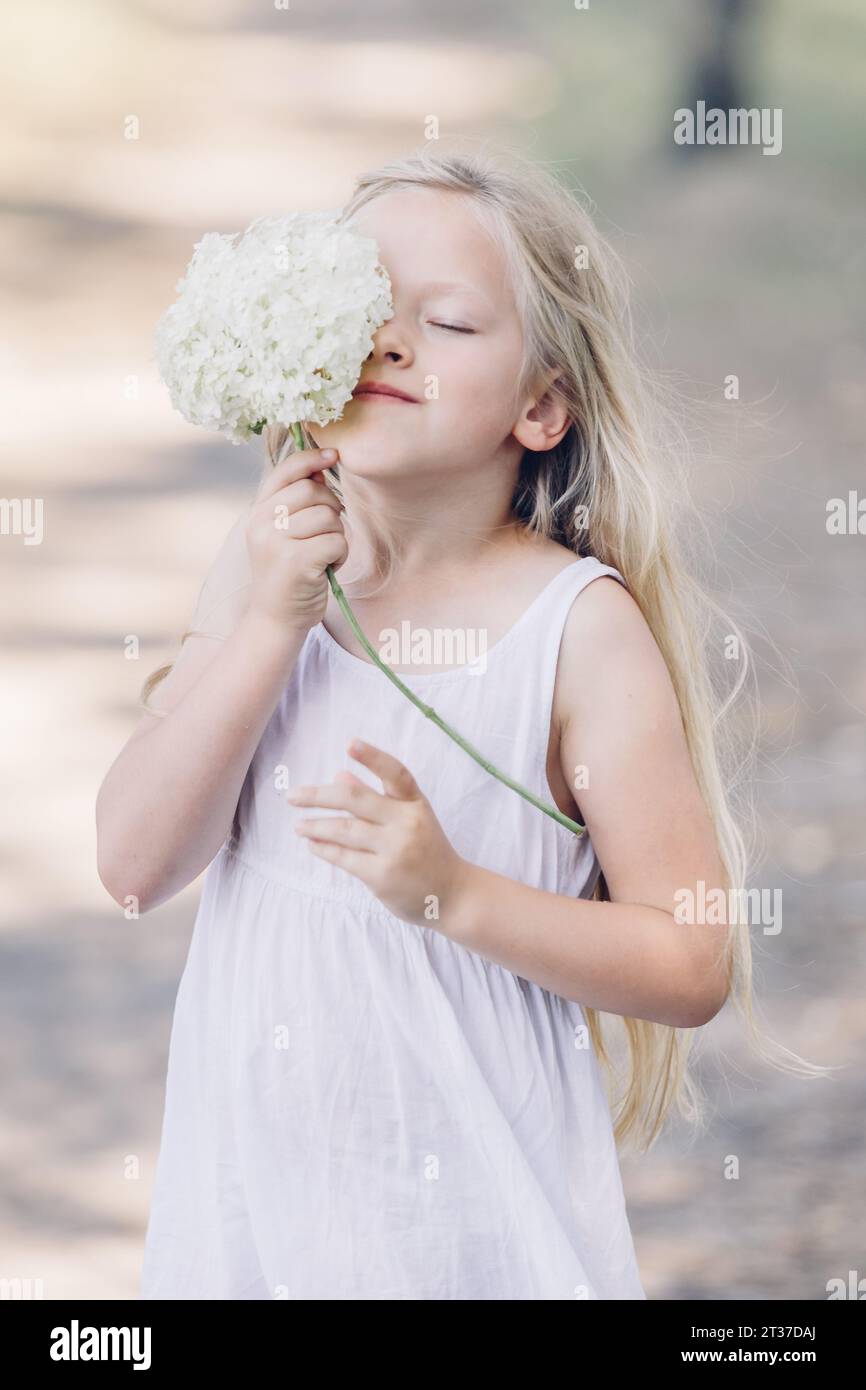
x=454, y=327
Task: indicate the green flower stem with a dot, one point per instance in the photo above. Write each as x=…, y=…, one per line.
x=427, y=710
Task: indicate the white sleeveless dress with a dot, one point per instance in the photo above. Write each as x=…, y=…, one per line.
x=357, y=1107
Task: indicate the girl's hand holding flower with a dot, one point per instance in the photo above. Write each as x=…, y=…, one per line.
x=392, y=841
x=294, y=532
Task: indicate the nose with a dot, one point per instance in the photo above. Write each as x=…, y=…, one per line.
x=391, y=344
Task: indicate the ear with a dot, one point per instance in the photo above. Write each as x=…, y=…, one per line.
x=544, y=420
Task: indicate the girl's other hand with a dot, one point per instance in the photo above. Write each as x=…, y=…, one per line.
x=294, y=532
x=392, y=841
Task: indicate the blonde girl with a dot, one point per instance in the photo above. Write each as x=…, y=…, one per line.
x=387, y=1076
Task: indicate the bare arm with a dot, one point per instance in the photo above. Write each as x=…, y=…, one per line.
x=649, y=827
x=167, y=802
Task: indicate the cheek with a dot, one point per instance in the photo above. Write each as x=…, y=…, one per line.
x=477, y=395
x=483, y=371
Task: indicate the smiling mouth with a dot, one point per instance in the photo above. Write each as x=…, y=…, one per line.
x=383, y=396
x=379, y=394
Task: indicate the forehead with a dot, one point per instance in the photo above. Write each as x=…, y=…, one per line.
x=434, y=237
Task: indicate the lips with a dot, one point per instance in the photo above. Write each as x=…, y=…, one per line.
x=379, y=389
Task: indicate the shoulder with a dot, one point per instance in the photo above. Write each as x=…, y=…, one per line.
x=603, y=612
x=608, y=657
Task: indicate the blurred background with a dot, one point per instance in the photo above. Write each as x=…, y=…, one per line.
x=130, y=131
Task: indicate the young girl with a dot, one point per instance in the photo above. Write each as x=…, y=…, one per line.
x=386, y=1073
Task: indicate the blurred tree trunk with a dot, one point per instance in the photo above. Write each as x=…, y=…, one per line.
x=718, y=73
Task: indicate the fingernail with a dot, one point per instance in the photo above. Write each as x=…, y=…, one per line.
x=329, y=454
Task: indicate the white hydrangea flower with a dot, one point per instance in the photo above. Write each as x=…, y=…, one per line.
x=273, y=325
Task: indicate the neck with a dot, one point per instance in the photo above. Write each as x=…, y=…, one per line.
x=438, y=527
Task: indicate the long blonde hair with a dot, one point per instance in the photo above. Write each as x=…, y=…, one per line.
x=615, y=487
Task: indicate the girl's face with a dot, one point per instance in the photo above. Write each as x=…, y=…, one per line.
x=454, y=345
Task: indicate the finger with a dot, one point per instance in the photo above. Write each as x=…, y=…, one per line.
x=363, y=801
x=301, y=464
x=301, y=497
x=351, y=779
x=331, y=548
x=306, y=492
x=312, y=521
x=340, y=830
x=352, y=860
x=395, y=776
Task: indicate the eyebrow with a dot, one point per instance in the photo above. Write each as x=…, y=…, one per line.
x=439, y=285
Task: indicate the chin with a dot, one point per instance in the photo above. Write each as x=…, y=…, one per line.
x=372, y=458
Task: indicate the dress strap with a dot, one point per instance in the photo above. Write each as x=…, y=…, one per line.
x=574, y=579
